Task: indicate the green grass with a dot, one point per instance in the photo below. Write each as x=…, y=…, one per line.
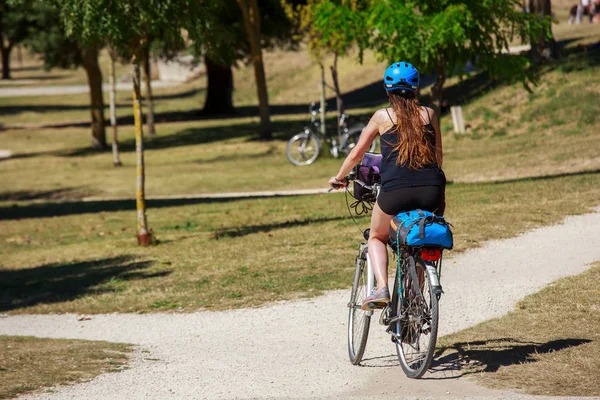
x=185, y=158
x=220, y=253
x=29, y=364
x=515, y=134
x=293, y=79
x=511, y=135
x=29, y=71
x=56, y=109
x=74, y=257
x=548, y=346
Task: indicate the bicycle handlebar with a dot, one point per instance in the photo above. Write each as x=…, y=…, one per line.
x=351, y=177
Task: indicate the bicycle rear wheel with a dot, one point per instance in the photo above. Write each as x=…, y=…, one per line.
x=358, y=319
x=303, y=149
x=416, y=329
x=351, y=139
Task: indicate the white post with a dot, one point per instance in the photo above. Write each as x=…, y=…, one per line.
x=457, y=119
x=323, y=131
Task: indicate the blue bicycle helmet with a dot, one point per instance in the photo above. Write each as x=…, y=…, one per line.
x=401, y=76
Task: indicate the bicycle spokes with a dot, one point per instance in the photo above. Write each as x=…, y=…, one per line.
x=415, y=331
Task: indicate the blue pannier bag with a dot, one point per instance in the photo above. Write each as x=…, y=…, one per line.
x=419, y=229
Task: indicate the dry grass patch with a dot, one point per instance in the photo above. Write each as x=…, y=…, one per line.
x=549, y=346
x=29, y=364
x=35, y=110
x=29, y=71
x=184, y=158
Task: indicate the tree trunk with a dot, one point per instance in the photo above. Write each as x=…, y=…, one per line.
x=113, y=109
x=144, y=235
x=437, y=89
x=543, y=47
x=219, y=96
x=6, y=61
x=251, y=16
x=92, y=69
x=339, y=103
x=149, y=98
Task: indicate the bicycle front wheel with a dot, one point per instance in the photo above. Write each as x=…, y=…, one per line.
x=358, y=319
x=303, y=149
x=417, y=326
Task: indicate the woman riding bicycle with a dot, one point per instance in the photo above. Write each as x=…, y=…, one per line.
x=411, y=174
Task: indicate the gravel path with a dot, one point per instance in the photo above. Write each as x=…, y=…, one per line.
x=297, y=349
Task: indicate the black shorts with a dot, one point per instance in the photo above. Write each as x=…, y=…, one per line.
x=428, y=198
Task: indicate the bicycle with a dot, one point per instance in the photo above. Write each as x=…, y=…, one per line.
x=305, y=147
x=411, y=316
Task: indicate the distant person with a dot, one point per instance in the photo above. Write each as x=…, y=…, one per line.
x=411, y=169
x=595, y=12
x=578, y=11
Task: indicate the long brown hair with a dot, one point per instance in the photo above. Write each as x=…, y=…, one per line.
x=415, y=142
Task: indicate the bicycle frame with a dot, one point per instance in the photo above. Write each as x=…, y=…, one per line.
x=411, y=316
x=338, y=142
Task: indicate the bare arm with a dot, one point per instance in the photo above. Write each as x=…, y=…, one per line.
x=364, y=142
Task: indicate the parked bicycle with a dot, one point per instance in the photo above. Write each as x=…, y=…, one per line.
x=305, y=147
x=411, y=317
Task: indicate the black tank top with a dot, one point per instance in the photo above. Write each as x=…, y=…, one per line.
x=400, y=176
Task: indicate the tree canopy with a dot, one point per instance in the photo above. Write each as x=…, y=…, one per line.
x=124, y=23
x=437, y=36
x=227, y=43
x=17, y=21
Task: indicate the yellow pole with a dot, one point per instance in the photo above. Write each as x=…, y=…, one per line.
x=144, y=235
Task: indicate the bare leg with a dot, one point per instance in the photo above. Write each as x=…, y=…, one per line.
x=378, y=238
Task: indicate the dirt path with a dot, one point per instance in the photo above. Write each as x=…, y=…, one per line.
x=297, y=349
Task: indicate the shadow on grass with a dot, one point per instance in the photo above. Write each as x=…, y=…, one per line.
x=57, y=209
x=61, y=282
x=62, y=208
x=58, y=194
x=545, y=177
x=489, y=355
x=52, y=108
x=180, y=95
x=233, y=232
x=200, y=135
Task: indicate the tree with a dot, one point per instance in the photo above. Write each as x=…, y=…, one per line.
x=113, y=106
x=440, y=37
x=60, y=51
x=343, y=33
x=126, y=25
x=219, y=93
x=544, y=46
x=148, y=83
x=251, y=16
x=227, y=44
x=16, y=22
